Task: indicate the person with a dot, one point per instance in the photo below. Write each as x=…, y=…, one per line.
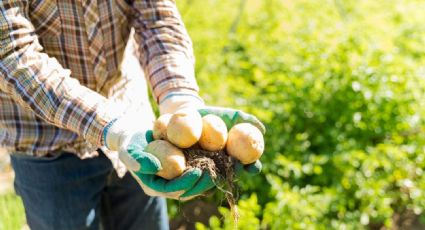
x=74, y=107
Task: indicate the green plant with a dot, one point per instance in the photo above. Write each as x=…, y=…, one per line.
x=340, y=87
x=249, y=211
x=12, y=215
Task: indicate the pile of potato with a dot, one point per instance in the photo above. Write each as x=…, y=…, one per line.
x=185, y=128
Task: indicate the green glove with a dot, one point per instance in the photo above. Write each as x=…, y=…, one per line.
x=253, y=168
x=232, y=117
x=179, y=100
x=130, y=141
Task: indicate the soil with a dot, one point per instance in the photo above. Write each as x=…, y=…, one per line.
x=220, y=167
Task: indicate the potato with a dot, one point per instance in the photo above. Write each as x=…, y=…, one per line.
x=245, y=143
x=214, y=133
x=160, y=127
x=172, y=158
x=184, y=128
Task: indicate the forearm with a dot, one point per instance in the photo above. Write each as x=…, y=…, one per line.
x=165, y=48
x=46, y=89
x=39, y=83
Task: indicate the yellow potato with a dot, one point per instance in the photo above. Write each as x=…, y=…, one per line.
x=245, y=143
x=160, y=127
x=172, y=158
x=184, y=128
x=214, y=133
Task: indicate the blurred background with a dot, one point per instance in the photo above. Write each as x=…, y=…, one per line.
x=340, y=86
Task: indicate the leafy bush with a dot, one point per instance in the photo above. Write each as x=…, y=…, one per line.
x=248, y=210
x=340, y=86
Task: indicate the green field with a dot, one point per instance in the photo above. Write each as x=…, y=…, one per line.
x=340, y=86
x=12, y=214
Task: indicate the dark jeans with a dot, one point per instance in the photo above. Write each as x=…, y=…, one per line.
x=65, y=192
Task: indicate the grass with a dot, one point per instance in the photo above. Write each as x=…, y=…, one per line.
x=12, y=215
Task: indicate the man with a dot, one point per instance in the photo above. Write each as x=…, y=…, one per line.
x=66, y=90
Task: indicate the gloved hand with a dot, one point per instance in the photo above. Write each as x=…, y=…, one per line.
x=232, y=117
x=125, y=136
x=175, y=101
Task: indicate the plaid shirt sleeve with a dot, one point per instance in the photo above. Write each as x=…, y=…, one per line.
x=165, y=48
x=38, y=82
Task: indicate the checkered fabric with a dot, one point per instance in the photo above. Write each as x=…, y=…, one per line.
x=61, y=76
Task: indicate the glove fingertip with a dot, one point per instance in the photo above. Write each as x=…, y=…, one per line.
x=204, y=184
x=193, y=172
x=149, y=164
x=262, y=128
x=253, y=120
x=254, y=168
x=149, y=136
x=201, y=112
x=238, y=167
x=257, y=123
x=150, y=167
x=185, y=181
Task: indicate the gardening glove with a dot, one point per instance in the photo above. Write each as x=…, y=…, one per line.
x=232, y=117
x=174, y=101
x=130, y=140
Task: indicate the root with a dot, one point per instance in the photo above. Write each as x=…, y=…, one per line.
x=220, y=167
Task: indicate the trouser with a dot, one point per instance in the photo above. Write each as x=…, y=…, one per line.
x=65, y=192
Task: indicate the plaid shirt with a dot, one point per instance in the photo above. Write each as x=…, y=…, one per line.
x=61, y=67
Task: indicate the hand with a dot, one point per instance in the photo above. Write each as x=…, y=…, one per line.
x=175, y=101
x=130, y=140
x=232, y=117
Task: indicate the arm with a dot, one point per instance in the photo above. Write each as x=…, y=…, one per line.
x=167, y=56
x=165, y=49
x=39, y=83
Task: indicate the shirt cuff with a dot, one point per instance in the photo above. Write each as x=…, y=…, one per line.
x=106, y=114
x=179, y=99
